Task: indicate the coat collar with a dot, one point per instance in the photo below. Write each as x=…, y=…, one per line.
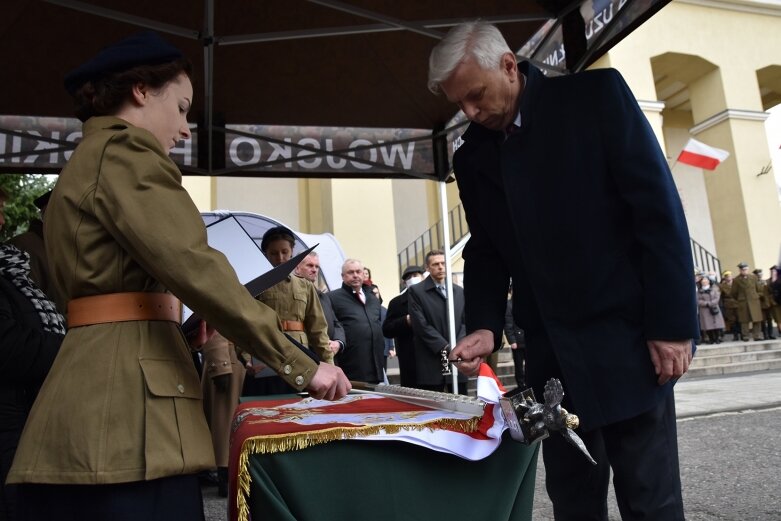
x=534, y=78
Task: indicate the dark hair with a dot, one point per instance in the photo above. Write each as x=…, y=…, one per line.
x=104, y=96
x=274, y=234
x=433, y=253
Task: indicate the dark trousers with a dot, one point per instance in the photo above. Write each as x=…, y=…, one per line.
x=519, y=360
x=164, y=499
x=643, y=453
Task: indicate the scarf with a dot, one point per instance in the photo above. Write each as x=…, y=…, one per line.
x=15, y=268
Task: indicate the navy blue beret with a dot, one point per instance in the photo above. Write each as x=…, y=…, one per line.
x=275, y=233
x=144, y=48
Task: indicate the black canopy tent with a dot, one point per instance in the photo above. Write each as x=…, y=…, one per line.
x=318, y=63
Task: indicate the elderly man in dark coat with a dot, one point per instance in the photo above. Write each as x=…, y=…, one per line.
x=358, y=310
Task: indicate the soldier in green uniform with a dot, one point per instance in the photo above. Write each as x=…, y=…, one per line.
x=118, y=430
x=729, y=305
x=774, y=296
x=746, y=290
x=296, y=302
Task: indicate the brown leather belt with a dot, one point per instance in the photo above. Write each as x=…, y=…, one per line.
x=123, y=307
x=292, y=325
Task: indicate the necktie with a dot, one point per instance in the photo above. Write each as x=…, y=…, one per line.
x=361, y=296
x=511, y=129
x=443, y=290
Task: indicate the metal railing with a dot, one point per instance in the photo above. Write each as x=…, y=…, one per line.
x=433, y=239
x=704, y=260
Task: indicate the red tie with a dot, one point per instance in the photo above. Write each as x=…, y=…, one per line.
x=361, y=296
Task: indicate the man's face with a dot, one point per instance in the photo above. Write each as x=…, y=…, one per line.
x=308, y=268
x=436, y=267
x=487, y=96
x=744, y=272
x=352, y=275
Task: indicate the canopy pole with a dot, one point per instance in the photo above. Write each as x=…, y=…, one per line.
x=208, y=80
x=448, y=277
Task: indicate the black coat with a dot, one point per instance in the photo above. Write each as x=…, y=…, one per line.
x=335, y=329
x=580, y=198
x=395, y=326
x=364, y=352
x=26, y=354
x=430, y=329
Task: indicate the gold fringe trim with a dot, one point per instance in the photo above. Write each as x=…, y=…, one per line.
x=288, y=442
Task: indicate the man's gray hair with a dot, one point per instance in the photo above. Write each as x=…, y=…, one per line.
x=350, y=261
x=481, y=41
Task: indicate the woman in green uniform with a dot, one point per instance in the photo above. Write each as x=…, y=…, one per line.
x=118, y=431
x=296, y=302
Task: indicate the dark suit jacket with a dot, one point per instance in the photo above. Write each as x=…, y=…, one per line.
x=395, y=326
x=364, y=352
x=335, y=329
x=430, y=329
x=580, y=197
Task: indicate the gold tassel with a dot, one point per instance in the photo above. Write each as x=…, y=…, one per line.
x=287, y=442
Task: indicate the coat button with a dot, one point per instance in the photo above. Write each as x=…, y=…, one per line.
x=287, y=369
x=181, y=388
x=299, y=380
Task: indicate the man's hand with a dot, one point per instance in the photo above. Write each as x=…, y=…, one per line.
x=471, y=350
x=334, y=346
x=514, y=345
x=329, y=383
x=671, y=358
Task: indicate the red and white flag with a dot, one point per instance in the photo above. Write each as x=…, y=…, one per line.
x=701, y=155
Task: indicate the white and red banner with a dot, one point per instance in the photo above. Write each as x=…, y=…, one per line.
x=700, y=155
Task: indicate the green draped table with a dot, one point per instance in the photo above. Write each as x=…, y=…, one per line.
x=354, y=480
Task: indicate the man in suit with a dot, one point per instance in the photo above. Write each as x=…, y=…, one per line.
x=562, y=171
x=308, y=269
x=398, y=326
x=430, y=325
x=356, y=307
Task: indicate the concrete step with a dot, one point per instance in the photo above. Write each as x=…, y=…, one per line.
x=733, y=368
x=734, y=358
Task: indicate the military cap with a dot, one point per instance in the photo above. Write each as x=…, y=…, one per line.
x=727, y=273
x=144, y=48
x=742, y=265
x=276, y=233
x=757, y=271
x=410, y=270
x=42, y=200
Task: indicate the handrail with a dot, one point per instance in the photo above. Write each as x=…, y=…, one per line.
x=432, y=239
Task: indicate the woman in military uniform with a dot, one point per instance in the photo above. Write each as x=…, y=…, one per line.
x=118, y=430
x=296, y=302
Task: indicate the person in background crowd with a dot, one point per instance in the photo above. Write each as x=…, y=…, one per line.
x=729, y=305
x=428, y=311
x=358, y=309
x=309, y=269
x=766, y=303
x=745, y=290
x=398, y=326
x=31, y=330
x=31, y=242
x=711, y=319
x=608, y=206
x=774, y=282
x=118, y=431
x=515, y=337
x=221, y=381
x=296, y=302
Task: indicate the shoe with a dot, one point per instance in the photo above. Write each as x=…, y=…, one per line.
x=222, y=481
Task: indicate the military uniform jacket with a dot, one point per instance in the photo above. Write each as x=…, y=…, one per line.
x=123, y=400
x=726, y=295
x=296, y=299
x=746, y=291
